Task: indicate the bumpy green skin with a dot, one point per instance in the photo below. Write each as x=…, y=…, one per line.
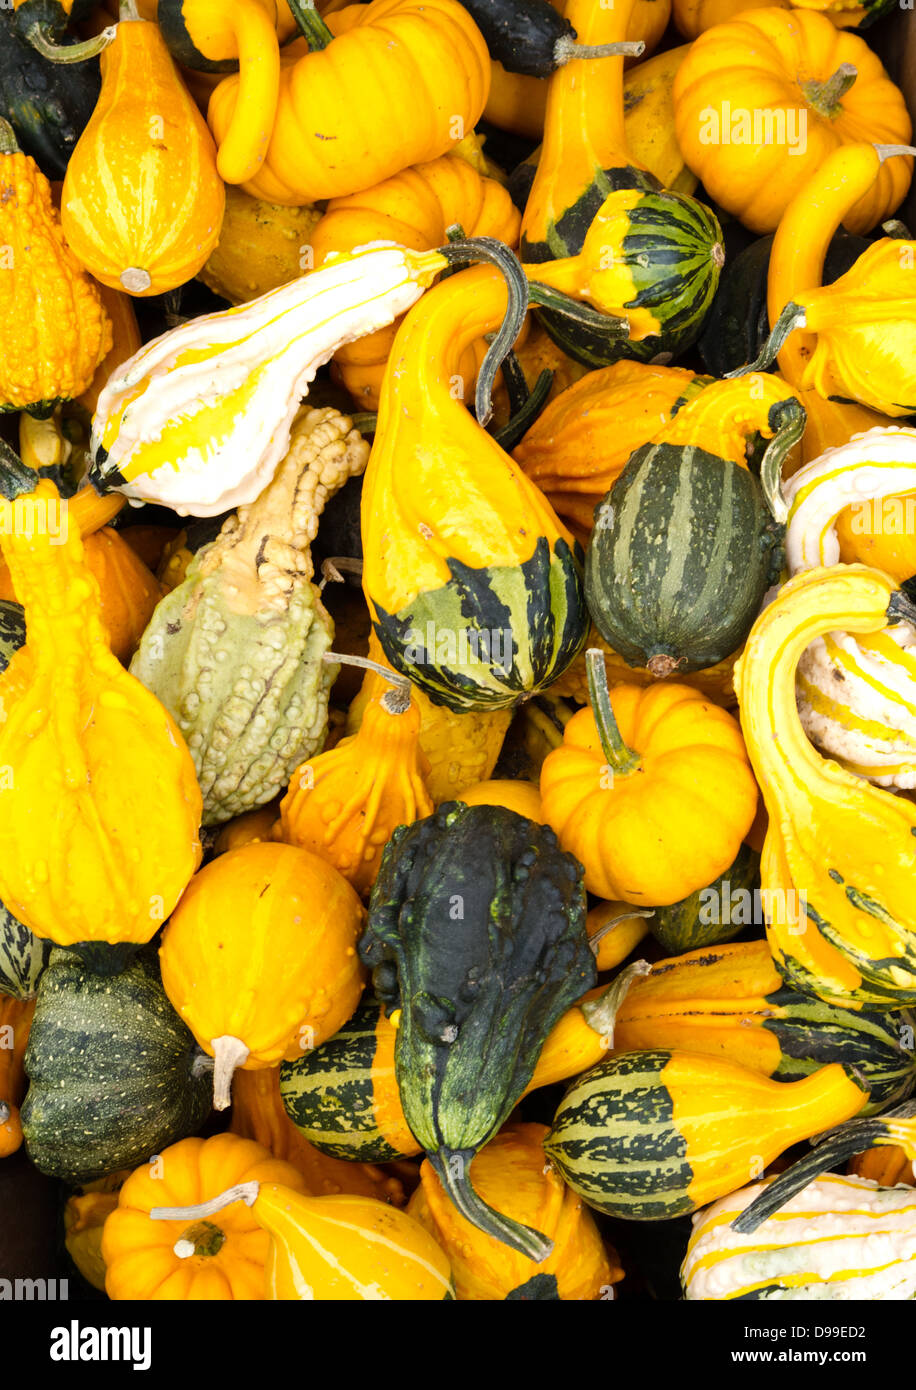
x=535, y=611
x=328, y=1092
x=683, y=926
x=681, y=555
x=615, y=1142
x=111, y=1069
x=248, y=691
x=476, y=931
x=47, y=104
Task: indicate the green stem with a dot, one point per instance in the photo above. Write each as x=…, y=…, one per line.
x=452, y=1167
x=601, y=1014
x=826, y=97
x=365, y=421
x=618, y=756
x=790, y=418
x=201, y=1239
x=70, y=52
x=568, y=48
x=311, y=26
x=525, y=416
x=792, y=317
x=901, y=608
x=8, y=141
x=127, y=9
x=583, y=314
x=488, y=249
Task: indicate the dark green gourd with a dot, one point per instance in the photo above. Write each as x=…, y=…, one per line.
x=713, y=914
x=114, y=1074
x=48, y=104
x=476, y=933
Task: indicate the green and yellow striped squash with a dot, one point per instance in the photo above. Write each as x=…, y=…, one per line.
x=838, y=861
x=712, y=914
x=730, y=1001
x=840, y=1238
x=649, y=1135
x=857, y=694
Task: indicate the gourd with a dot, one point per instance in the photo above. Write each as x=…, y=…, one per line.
x=443, y=582
x=334, y=1249
x=44, y=22
x=663, y=758
x=614, y=929
x=84, y=1220
x=225, y=1258
x=515, y=795
x=521, y=959
x=886, y=1165
x=343, y=805
x=47, y=106
x=126, y=341
x=848, y=348
x=401, y=84
x=714, y=682
x=53, y=329
x=857, y=697
x=113, y=1072
x=599, y=227
x=284, y=979
x=414, y=207
x=714, y=913
x=730, y=1002
x=260, y=247
x=79, y=733
x=533, y=38
x=258, y=1113
x=511, y=1174
x=689, y=603
x=841, y=1238
x=694, y=17
x=235, y=651
x=837, y=861
x=772, y=63
x=142, y=235
x=15, y=1022
x=645, y=1136
x=152, y=430
x=578, y=446
x=461, y=748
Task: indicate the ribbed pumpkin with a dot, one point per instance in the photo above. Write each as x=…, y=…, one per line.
x=512, y=1175
x=143, y=234
x=53, y=329
x=399, y=83
x=261, y=247
x=259, y=958
x=651, y=790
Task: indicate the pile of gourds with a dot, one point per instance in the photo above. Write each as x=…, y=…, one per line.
x=516, y=577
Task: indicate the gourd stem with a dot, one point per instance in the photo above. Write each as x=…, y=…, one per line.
x=8, y=141
x=896, y=230
x=790, y=419
x=396, y=701
x=311, y=26
x=524, y=418
x=826, y=96
x=366, y=421
x=888, y=151
x=485, y=248
x=567, y=48
x=334, y=567
x=792, y=317
x=5, y=1112
x=228, y=1053
x=452, y=1167
x=831, y=1148
x=201, y=1064
x=514, y=380
x=557, y=302
x=246, y=1192
x=901, y=608
x=612, y=922
x=70, y=52
x=345, y=659
x=620, y=758
x=15, y=477
x=127, y=9
x=601, y=1014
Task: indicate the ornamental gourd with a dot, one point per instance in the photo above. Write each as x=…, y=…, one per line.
x=221, y=1258
x=15, y=1022
x=684, y=544
x=828, y=88
x=78, y=729
x=717, y=912
x=53, y=329
x=472, y=582
x=512, y=1175
x=148, y=234
x=645, y=1136
x=236, y=651
x=331, y=1249
x=283, y=977
x=519, y=959
x=260, y=247
x=46, y=104
x=157, y=439
x=663, y=758
x=839, y=855
x=401, y=84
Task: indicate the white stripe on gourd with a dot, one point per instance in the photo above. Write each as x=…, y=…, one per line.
x=856, y=695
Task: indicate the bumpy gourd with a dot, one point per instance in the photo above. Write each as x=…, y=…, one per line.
x=284, y=978
x=53, y=329
x=663, y=758
x=157, y=438
x=235, y=652
x=75, y=727
x=261, y=247
x=839, y=854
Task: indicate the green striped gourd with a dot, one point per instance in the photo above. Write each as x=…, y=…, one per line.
x=841, y=1238
x=857, y=694
x=648, y=1135
x=712, y=914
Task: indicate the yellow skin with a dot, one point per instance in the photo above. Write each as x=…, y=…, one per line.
x=79, y=733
